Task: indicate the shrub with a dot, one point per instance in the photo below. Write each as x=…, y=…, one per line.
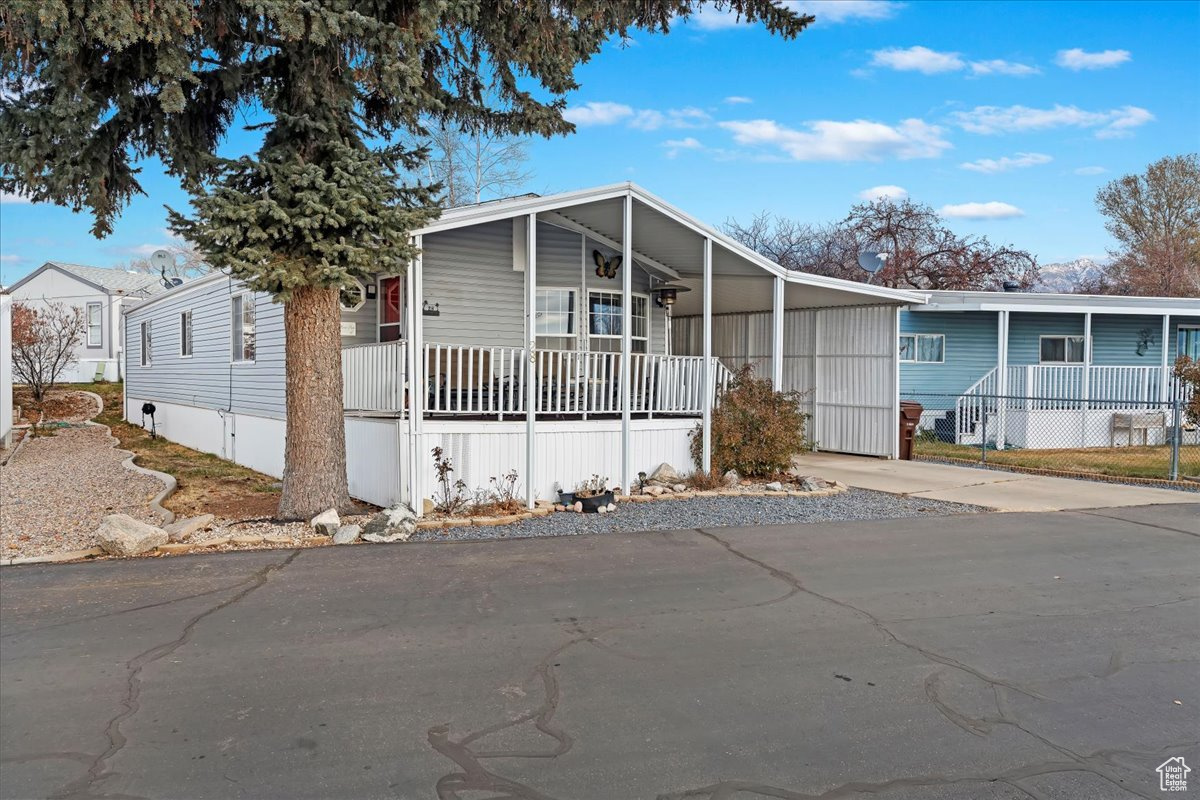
x=705, y=481
x=1187, y=371
x=755, y=429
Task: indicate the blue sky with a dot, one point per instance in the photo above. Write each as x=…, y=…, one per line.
x=1007, y=116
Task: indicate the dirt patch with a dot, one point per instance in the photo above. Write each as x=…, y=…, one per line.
x=59, y=405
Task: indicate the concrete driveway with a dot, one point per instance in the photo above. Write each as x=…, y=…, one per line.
x=978, y=656
x=995, y=489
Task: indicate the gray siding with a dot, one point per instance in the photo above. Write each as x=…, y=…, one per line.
x=209, y=378
x=469, y=274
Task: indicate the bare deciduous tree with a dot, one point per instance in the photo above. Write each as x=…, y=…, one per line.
x=1155, y=218
x=472, y=164
x=188, y=262
x=43, y=344
x=921, y=252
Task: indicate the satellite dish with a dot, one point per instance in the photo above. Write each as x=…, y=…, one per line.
x=871, y=262
x=162, y=258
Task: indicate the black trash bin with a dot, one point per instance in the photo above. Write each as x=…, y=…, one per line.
x=910, y=417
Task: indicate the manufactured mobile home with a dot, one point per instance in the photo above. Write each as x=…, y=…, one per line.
x=1011, y=364
x=583, y=333
x=100, y=295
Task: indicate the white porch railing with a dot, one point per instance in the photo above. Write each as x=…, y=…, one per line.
x=1055, y=386
x=973, y=406
x=373, y=377
x=490, y=381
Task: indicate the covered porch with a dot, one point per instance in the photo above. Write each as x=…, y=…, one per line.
x=548, y=334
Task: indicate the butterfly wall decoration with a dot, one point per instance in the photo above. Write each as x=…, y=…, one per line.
x=606, y=267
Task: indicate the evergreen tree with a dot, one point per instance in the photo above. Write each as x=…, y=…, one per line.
x=90, y=87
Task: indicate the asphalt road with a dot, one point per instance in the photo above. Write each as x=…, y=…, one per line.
x=981, y=656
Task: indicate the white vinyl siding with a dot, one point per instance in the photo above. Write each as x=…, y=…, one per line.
x=146, y=349
x=95, y=324
x=243, y=337
x=922, y=348
x=185, y=334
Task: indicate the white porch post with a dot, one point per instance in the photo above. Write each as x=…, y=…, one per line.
x=1085, y=382
x=415, y=379
x=710, y=391
x=531, y=374
x=1163, y=379
x=1002, y=402
x=626, y=339
x=777, y=336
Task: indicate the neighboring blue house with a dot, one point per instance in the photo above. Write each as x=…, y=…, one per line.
x=963, y=351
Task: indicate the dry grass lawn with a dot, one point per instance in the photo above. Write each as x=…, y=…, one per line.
x=1131, y=462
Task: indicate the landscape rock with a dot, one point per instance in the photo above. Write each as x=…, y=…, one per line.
x=246, y=539
x=393, y=524
x=774, y=486
x=679, y=487
x=612, y=506
x=813, y=484
x=428, y=506
x=346, y=534
x=326, y=522
x=122, y=535
x=578, y=507
x=664, y=475
x=654, y=491
x=731, y=478
x=602, y=510
x=182, y=529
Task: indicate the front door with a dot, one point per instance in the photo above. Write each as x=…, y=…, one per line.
x=391, y=309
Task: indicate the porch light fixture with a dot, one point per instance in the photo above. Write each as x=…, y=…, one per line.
x=665, y=295
x=430, y=309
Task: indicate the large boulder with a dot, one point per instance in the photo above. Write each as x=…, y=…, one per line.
x=393, y=524
x=664, y=475
x=122, y=535
x=347, y=534
x=183, y=529
x=327, y=522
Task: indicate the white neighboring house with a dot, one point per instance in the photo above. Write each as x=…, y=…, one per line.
x=101, y=294
x=518, y=340
x=6, y=398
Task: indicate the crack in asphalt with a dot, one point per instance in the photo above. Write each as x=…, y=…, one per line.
x=123, y=611
x=874, y=621
x=98, y=769
x=1139, y=522
x=1096, y=764
x=474, y=776
x=1098, y=612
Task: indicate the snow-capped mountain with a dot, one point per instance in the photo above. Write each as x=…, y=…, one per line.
x=1067, y=275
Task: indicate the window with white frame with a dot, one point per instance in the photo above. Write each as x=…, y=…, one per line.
x=1060, y=350
x=923, y=348
x=146, y=343
x=555, y=312
x=242, y=339
x=1189, y=342
x=185, y=334
x=605, y=314
x=95, y=325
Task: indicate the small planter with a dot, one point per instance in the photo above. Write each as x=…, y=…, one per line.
x=593, y=504
x=566, y=498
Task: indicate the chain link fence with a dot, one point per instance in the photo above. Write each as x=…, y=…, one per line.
x=1105, y=439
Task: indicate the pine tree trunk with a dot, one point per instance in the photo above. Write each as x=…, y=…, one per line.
x=314, y=472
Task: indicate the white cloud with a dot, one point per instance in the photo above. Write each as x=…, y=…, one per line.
x=826, y=12
x=651, y=120
x=888, y=191
x=737, y=99
x=597, y=113
x=676, y=146
x=11, y=198
x=1110, y=124
x=1078, y=59
x=991, y=210
x=858, y=140
x=998, y=66
x=917, y=59
x=10, y=258
x=1090, y=171
x=990, y=166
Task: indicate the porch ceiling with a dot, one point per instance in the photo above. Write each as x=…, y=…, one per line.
x=668, y=236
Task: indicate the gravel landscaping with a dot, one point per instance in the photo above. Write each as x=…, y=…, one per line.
x=56, y=489
x=711, y=512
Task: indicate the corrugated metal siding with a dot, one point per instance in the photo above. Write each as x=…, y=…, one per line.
x=847, y=354
x=970, y=350
x=209, y=379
